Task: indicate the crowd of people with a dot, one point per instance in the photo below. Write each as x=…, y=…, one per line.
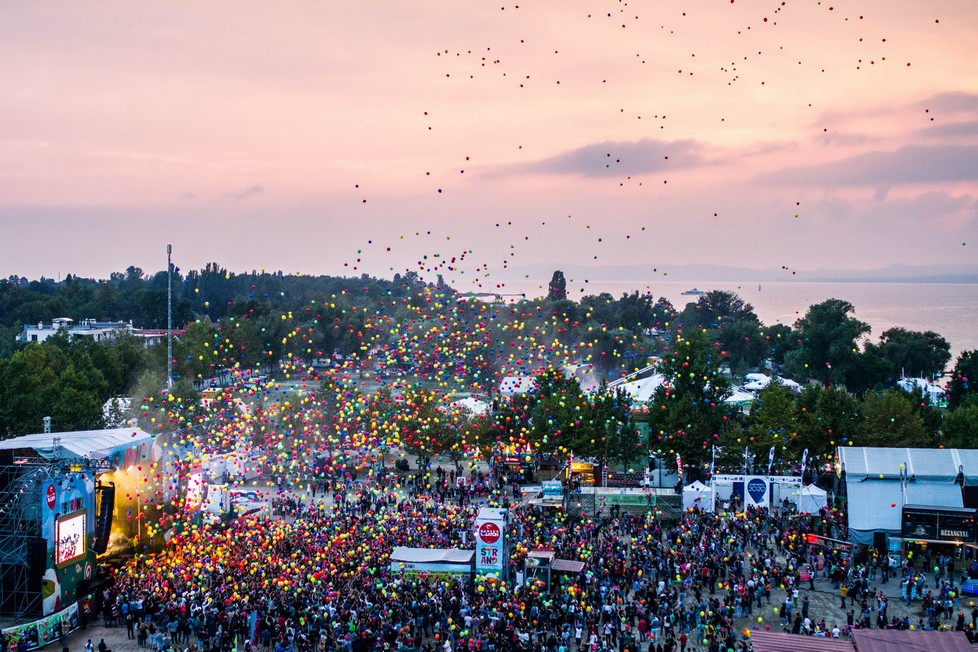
x=316, y=575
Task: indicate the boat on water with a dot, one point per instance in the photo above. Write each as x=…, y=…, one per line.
x=693, y=293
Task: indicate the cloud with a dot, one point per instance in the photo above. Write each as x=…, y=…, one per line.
x=952, y=130
x=907, y=165
x=619, y=158
x=241, y=195
x=951, y=102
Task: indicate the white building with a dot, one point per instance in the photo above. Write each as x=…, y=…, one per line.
x=100, y=331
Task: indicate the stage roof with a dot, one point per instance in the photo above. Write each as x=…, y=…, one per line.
x=93, y=444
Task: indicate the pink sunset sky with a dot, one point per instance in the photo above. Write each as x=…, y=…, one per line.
x=350, y=137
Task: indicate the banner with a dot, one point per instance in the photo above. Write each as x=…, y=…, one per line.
x=45, y=631
x=490, y=530
x=757, y=491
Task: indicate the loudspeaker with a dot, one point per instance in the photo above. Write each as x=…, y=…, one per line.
x=879, y=542
x=105, y=501
x=37, y=562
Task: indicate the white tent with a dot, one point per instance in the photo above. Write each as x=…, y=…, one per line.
x=642, y=390
x=698, y=495
x=517, y=385
x=935, y=393
x=756, y=382
x=475, y=406
x=811, y=499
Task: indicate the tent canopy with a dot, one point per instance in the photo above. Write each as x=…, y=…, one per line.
x=429, y=555
x=811, y=499
x=517, y=385
x=642, y=390
x=920, y=464
x=878, y=505
x=698, y=495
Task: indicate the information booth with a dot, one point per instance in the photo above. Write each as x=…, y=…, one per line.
x=543, y=569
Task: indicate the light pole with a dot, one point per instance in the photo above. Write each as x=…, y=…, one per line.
x=169, y=318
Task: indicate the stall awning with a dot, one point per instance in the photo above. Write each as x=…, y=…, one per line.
x=567, y=566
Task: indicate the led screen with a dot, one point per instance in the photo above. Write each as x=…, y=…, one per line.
x=69, y=539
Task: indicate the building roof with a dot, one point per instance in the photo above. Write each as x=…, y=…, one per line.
x=94, y=444
x=895, y=640
x=779, y=642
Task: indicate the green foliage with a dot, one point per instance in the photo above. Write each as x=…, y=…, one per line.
x=964, y=379
x=557, y=291
x=50, y=379
x=888, y=419
x=773, y=421
x=828, y=350
x=687, y=414
x=828, y=417
x=960, y=428
x=779, y=341
x=913, y=353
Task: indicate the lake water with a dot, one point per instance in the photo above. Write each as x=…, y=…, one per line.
x=949, y=309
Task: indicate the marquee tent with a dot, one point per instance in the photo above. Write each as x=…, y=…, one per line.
x=877, y=505
x=698, y=495
x=811, y=499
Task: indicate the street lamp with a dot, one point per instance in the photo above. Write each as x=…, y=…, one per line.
x=169, y=318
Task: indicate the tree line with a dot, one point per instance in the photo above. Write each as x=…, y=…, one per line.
x=275, y=324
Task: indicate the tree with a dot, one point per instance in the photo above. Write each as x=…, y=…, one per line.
x=889, y=420
x=557, y=290
x=28, y=383
x=605, y=429
x=554, y=413
x=686, y=413
x=914, y=353
x=828, y=417
x=719, y=307
x=829, y=343
x=774, y=422
x=76, y=404
x=964, y=379
x=743, y=343
x=960, y=428
x=780, y=340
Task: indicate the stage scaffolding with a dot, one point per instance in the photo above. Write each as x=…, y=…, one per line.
x=22, y=546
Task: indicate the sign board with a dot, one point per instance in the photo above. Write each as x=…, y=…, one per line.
x=935, y=524
x=489, y=530
x=553, y=493
x=826, y=542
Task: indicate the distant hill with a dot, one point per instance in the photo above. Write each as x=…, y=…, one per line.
x=700, y=273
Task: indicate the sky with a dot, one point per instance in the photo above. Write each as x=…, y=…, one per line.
x=487, y=142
